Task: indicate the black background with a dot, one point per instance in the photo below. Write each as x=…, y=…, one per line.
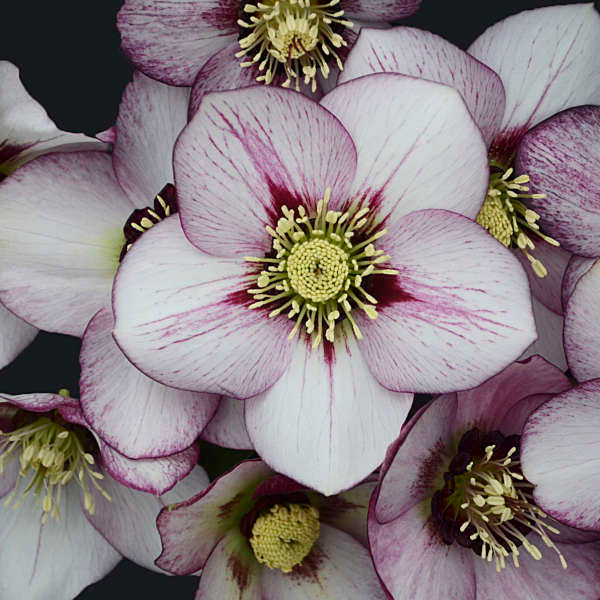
x=70, y=61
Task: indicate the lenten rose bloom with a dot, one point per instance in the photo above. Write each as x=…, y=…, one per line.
x=292, y=42
x=69, y=219
x=26, y=131
x=54, y=472
x=517, y=73
x=257, y=534
x=323, y=277
x=454, y=515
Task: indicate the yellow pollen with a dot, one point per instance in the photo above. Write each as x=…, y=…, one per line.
x=505, y=215
x=296, y=35
x=497, y=502
x=283, y=536
x=317, y=275
x=50, y=454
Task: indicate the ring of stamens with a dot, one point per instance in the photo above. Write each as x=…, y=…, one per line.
x=489, y=507
x=51, y=453
x=506, y=216
x=296, y=35
x=317, y=272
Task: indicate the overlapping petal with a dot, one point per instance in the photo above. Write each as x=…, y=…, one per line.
x=561, y=456
x=379, y=10
x=170, y=41
x=15, y=336
x=425, y=55
x=547, y=60
x=326, y=423
x=182, y=317
x=227, y=428
x=561, y=157
x=60, y=239
x=249, y=152
x=133, y=413
x=419, y=149
x=26, y=131
x=151, y=116
x=448, y=320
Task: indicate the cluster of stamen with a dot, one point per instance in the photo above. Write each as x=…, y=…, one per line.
x=317, y=272
x=296, y=35
x=51, y=453
x=284, y=535
x=506, y=216
x=143, y=219
x=487, y=504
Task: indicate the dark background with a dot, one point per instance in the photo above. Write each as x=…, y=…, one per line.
x=70, y=61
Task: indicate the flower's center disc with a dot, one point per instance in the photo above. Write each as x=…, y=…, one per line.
x=296, y=36
x=51, y=453
x=320, y=264
x=486, y=503
x=318, y=270
x=283, y=536
x=506, y=216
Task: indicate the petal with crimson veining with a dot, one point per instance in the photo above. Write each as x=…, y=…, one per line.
x=379, y=10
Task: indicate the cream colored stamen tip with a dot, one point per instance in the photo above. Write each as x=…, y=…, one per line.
x=284, y=536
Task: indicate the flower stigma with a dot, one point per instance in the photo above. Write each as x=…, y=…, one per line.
x=298, y=36
x=317, y=272
x=283, y=536
x=505, y=216
x=487, y=504
x=51, y=452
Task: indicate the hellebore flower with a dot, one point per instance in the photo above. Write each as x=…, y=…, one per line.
x=26, y=131
x=257, y=534
x=454, y=516
x=561, y=456
x=285, y=41
x=529, y=66
x=69, y=218
x=54, y=472
x=303, y=223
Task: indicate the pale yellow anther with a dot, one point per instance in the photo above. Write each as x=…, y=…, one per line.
x=284, y=536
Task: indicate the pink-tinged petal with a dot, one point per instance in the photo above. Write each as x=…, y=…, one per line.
x=544, y=578
x=347, y=511
x=549, y=344
x=60, y=238
x=449, y=319
x=128, y=521
x=189, y=531
x=108, y=136
x=232, y=572
x=151, y=116
x=417, y=464
x=577, y=267
x=26, y=131
x=546, y=289
x=379, y=10
x=55, y=560
x=227, y=428
x=15, y=336
x=560, y=454
x=413, y=562
x=425, y=55
x=153, y=475
x=419, y=149
x=327, y=422
x=561, y=157
x=247, y=153
x=489, y=406
x=547, y=60
x=170, y=41
x=338, y=566
x=582, y=328
x=133, y=413
x=39, y=402
x=182, y=317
